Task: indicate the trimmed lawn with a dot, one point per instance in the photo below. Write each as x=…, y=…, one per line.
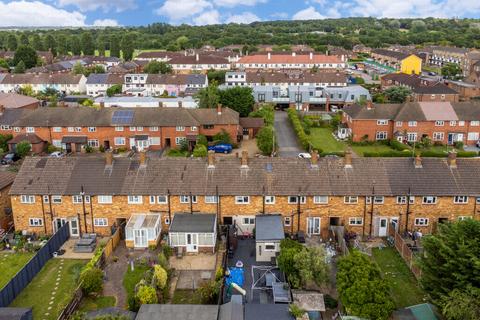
x=323, y=139
x=186, y=297
x=371, y=148
x=38, y=294
x=10, y=264
x=131, y=278
x=404, y=288
x=92, y=304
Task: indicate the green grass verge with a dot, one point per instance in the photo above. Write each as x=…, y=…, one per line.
x=131, y=278
x=39, y=292
x=404, y=288
x=186, y=297
x=322, y=138
x=10, y=264
x=92, y=304
x=360, y=150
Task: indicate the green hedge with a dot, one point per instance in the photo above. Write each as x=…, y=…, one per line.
x=395, y=144
x=442, y=154
x=467, y=154
x=333, y=153
x=387, y=154
x=298, y=128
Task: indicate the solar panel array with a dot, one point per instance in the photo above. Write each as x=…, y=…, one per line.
x=122, y=117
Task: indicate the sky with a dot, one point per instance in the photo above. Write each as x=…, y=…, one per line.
x=77, y=13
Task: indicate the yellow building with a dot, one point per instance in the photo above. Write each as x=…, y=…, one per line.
x=411, y=65
x=402, y=62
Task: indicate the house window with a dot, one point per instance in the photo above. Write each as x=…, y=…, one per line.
x=154, y=141
x=30, y=129
x=100, y=222
x=193, y=128
x=70, y=129
x=119, y=128
x=381, y=135
x=57, y=143
x=411, y=200
x=475, y=123
x=248, y=221
x=78, y=199
x=473, y=136
x=320, y=199
x=57, y=129
x=242, y=199
x=93, y=143
x=287, y=221
x=104, y=199
x=261, y=97
x=46, y=199
x=412, y=123
x=208, y=126
x=462, y=218
x=179, y=140
x=355, y=221
x=439, y=123
x=350, y=199
x=398, y=123
x=35, y=222
x=153, y=128
x=5, y=127
x=179, y=128
x=16, y=129
x=92, y=129
x=401, y=200
x=162, y=199
x=186, y=199
x=135, y=199
x=294, y=199
x=460, y=199
x=211, y=199
x=269, y=199
x=453, y=123
x=376, y=200
x=269, y=247
x=421, y=222
x=438, y=136
x=429, y=200
x=78, y=129
x=57, y=199
x=139, y=128
x=119, y=141
x=411, y=136
x=382, y=122
x=27, y=199
x=132, y=128
x=461, y=123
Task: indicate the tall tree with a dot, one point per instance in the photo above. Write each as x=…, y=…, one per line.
x=239, y=99
x=451, y=71
x=37, y=42
x=88, y=45
x=182, y=42
x=208, y=97
x=19, y=68
x=128, y=46
x=101, y=44
x=154, y=67
x=27, y=55
x=75, y=45
x=12, y=42
x=51, y=44
x=24, y=40
x=114, y=46
x=62, y=44
x=397, y=94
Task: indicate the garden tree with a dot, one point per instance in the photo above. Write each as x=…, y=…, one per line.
x=113, y=90
x=201, y=139
x=26, y=90
x=62, y=44
x=209, y=291
x=208, y=97
x=312, y=266
x=162, y=260
x=462, y=304
x=418, y=26
x=200, y=151
x=395, y=24
x=23, y=148
x=161, y=276
x=78, y=68
x=451, y=264
x=12, y=42
x=286, y=260
x=88, y=45
x=51, y=44
x=216, y=75
x=114, y=46
x=154, y=67
x=19, y=68
x=182, y=42
x=24, y=40
x=101, y=44
x=361, y=288
x=239, y=99
x=92, y=281
x=37, y=42
x=26, y=54
x=4, y=138
x=265, y=140
x=128, y=46
x=222, y=137
x=397, y=94
x=4, y=64
x=75, y=45
x=265, y=111
x=147, y=295
x=451, y=71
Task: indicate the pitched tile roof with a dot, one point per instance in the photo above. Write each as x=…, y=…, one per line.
x=281, y=77
x=15, y=100
x=6, y=178
x=43, y=78
x=383, y=176
x=390, y=53
x=438, y=111
x=289, y=59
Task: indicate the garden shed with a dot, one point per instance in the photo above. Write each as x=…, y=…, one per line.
x=268, y=234
x=193, y=232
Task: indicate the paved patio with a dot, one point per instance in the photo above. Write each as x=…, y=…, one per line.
x=69, y=254
x=201, y=261
x=193, y=279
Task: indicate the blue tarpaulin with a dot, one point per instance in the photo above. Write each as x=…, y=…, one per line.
x=236, y=276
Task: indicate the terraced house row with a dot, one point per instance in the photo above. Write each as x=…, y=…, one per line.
x=73, y=128
x=369, y=196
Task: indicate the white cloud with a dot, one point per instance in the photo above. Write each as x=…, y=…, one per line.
x=207, y=17
x=279, y=15
x=234, y=3
x=106, y=5
x=37, y=14
x=307, y=14
x=177, y=10
x=245, y=17
x=105, y=23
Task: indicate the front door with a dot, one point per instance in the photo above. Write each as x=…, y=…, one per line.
x=132, y=143
x=382, y=227
x=140, y=238
x=313, y=226
x=142, y=144
x=192, y=242
x=394, y=223
x=74, y=228
x=58, y=223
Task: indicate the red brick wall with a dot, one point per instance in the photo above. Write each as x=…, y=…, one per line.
x=436, y=97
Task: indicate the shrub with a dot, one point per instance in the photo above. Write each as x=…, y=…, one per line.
x=201, y=139
x=133, y=303
x=266, y=112
x=397, y=145
x=167, y=251
x=23, y=148
x=387, y=154
x=161, y=276
x=163, y=261
x=433, y=154
x=265, y=140
x=88, y=149
x=458, y=145
x=147, y=295
x=92, y=281
x=222, y=137
x=209, y=291
x=51, y=148
x=467, y=154
x=200, y=150
x=296, y=311
x=330, y=302
x=298, y=128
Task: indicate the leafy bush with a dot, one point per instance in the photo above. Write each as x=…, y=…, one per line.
x=467, y=154
x=397, y=145
x=209, y=291
x=113, y=90
x=387, y=154
x=176, y=153
x=330, y=302
x=267, y=112
x=92, y=281
x=147, y=295
x=163, y=261
x=88, y=149
x=298, y=128
x=4, y=138
x=51, y=148
x=167, y=251
x=161, y=276
x=133, y=303
x=265, y=140
x=200, y=151
x=296, y=311
x=222, y=137
x=201, y=139
x=458, y=145
x=23, y=148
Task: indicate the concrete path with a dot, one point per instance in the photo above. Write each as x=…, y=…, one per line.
x=286, y=138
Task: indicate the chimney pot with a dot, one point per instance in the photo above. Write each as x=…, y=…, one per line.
x=211, y=159
x=369, y=105
x=418, y=161
x=311, y=55
x=197, y=57
x=219, y=109
x=244, y=160
x=108, y=158
x=314, y=159
x=348, y=158
x=294, y=54
x=143, y=157
x=452, y=159
x=269, y=56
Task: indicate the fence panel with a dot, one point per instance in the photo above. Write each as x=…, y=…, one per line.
x=23, y=277
x=407, y=255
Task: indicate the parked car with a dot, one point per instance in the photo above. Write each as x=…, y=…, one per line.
x=432, y=73
x=304, y=155
x=10, y=158
x=57, y=154
x=221, y=148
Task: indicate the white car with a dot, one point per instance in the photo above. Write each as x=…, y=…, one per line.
x=56, y=154
x=304, y=155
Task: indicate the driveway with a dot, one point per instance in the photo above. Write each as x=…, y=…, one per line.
x=286, y=138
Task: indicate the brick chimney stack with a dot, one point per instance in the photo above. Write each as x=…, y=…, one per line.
x=418, y=162
x=314, y=159
x=211, y=159
x=369, y=105
x=219, y=109
x=2, y=108
x=348, y=158
x=108, y=158
x=452, y=159
x=244, y=160
x=143, y=157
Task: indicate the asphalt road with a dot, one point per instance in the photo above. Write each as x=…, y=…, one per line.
x=286, y=138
